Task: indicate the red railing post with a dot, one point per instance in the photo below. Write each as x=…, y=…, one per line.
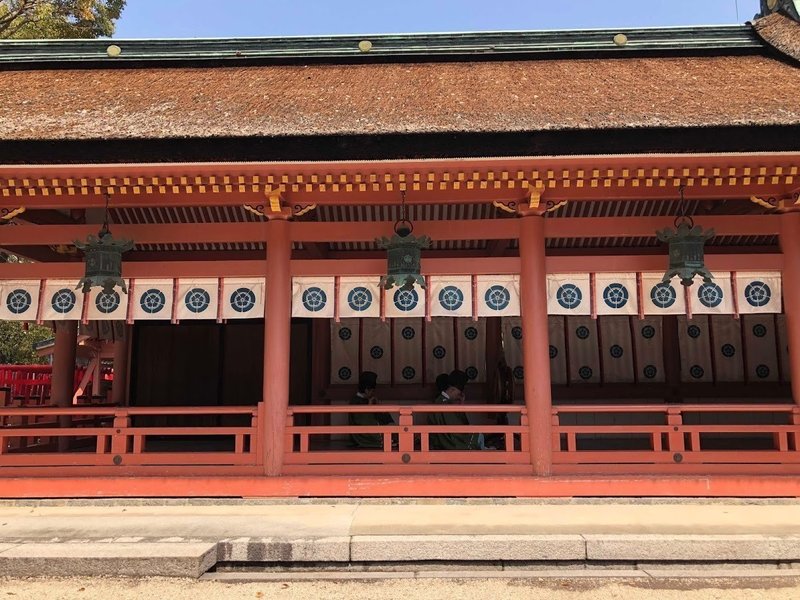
x=288, y=443
x=555, y=423
x=675, y=436
x=119, y=438
x=406, y=421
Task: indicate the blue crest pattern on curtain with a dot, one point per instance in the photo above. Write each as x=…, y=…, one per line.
x=713, y=298
x=359, y=297
x=728, y=351
x=313, y=297
x=758, y=292
x=61, y=302
x=498, y=295
x=152, y=300
x=242, y=298
x=104, y=306
x=569, y=294
x=19, y=300
x=512, y=346
x=405, y=303
x=407, y=350
x=451, y=296
x=344, y=352
x=760, y=335
x=662, y=298
x=197, y=299
x=616, y=294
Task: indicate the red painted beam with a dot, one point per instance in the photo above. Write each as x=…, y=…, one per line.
x=481, y=229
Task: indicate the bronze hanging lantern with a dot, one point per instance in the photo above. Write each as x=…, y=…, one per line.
x=404, y=254
x=103, y=259
x=686, y=249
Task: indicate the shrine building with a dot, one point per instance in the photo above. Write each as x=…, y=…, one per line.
x=562, y=188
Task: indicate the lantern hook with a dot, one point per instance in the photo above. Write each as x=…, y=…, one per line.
x=403, y=227
x=683, y=218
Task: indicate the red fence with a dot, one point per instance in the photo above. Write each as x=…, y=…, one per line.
x=677, y=438
x=30, y=384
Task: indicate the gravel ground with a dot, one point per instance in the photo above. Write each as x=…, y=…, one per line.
x=430, y=589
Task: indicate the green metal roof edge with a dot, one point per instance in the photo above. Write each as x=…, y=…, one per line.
x=385, y=46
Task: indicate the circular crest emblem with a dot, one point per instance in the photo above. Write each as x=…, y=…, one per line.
x=63, y=301
x=728, y=350
x=757, y=293
x=519, y=372
x=585, y=373
x=759, y=330
x=569, y=296
x=582, y=332
x=152, y=301
x=406, y=300
x=243, y=300
x=345, y=373
x=693, y=331
x=697, y=371
x=516, y=332
x=359, y=299
x=648, y=332
x=616, y=351
x=615, y=295
x=471, y=373
x=663, y=295
x=18, y=302
x=650, y=371
x=451, y=298
x=408, y=333
x=314, y=299
x=553, y=351
x=762, y=371
x=710, y=295
x=408, y=373
x=376, y=352
x=439, y=352
x=197, y=300
x=471, y=333
x=107, y=303
x=345, y=333
x=497, y=297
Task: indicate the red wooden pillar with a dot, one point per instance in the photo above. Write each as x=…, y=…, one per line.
x=63, y=380
x=535, y=341
x=790, y=246
x=277, y=338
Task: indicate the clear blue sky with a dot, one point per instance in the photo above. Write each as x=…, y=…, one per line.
x=230, y=18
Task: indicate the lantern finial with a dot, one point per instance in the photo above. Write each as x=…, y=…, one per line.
x=686, y=252
x=103, y=258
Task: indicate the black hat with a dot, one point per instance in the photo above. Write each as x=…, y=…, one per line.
x=367, y=380
x=457, y=379
x=442, y=382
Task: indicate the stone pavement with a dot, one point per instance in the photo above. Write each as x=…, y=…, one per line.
x=190, y=537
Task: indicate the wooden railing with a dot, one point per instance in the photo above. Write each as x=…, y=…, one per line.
x=406, y=444
x=91, y=436
x=676, y=438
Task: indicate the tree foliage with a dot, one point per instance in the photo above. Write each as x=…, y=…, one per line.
x=16, y=342
x=32, y=19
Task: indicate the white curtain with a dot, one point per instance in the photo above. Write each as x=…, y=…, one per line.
x=242, y=298
x=107, y=306
x=451, y=296
x=152, y=299
x=760, y=333
x=728, y=350
x=376, y=348
x=569, y=294
x=662, y=298
x=405, y=303
x=313, y=297
x=472, y=348
x=714, y=298
x=19, y=300
x=498, y=295
x=616, y=294
x=62, y=302
x=758, y=292
x=584, y=360
x=617, y=349
x=648, y=338
x=695, y=347
x=359, y=297
x=197, y=299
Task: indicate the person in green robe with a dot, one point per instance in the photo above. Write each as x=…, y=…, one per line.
x=367, y=382
x=453, y=394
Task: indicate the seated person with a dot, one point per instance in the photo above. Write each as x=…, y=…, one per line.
x=367, y=382
x=453, y=393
